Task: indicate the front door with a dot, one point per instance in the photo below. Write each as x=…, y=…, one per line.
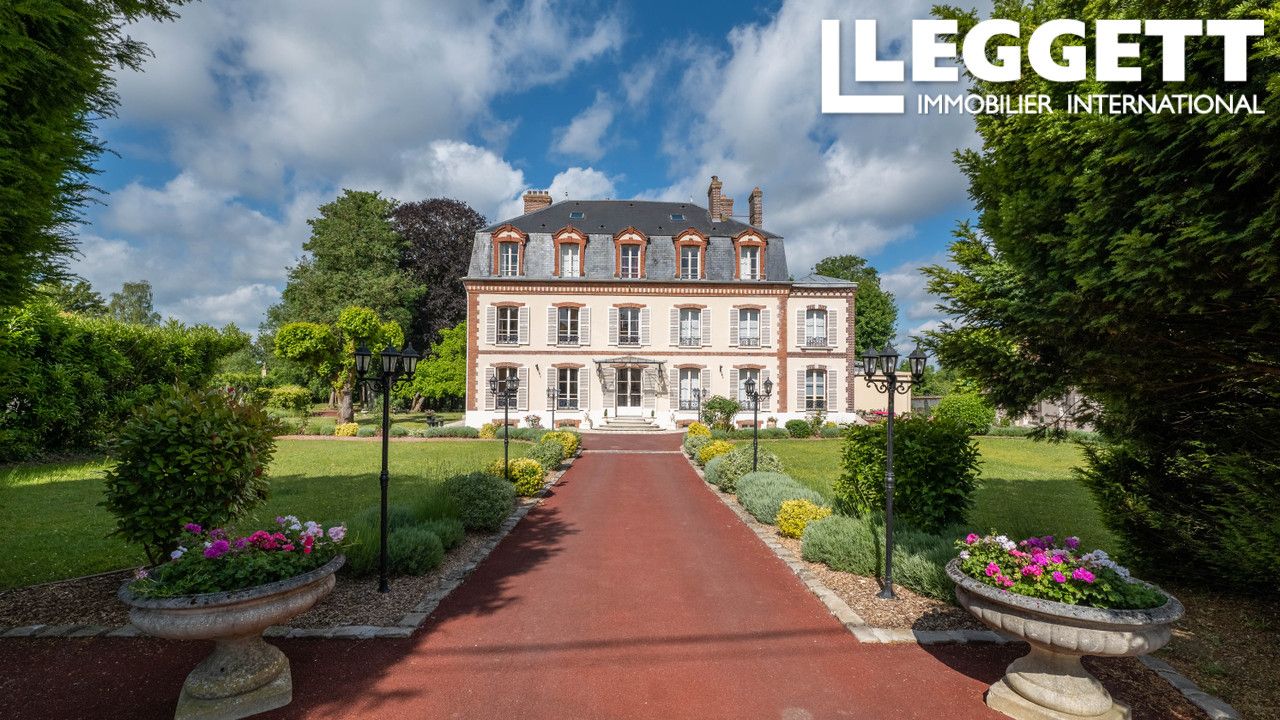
x=628, y=389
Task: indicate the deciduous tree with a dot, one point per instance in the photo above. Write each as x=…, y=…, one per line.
x=134, y=304
x=438, y=234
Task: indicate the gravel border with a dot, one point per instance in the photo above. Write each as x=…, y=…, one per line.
x=1214, y=707
x=402, y=628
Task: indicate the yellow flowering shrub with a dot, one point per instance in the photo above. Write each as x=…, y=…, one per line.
x=568, y=439
x=526, y=474
x=346, y=429
x=715, y=448
x=795, y=515
x=488, y=431
x=699, y=429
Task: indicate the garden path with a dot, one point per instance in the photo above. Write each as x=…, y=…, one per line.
x=631, y=591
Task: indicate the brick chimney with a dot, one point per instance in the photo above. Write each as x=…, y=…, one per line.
x=720, y=207
x=535, y=200
x=756, y=205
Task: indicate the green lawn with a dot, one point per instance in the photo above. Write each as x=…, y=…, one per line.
x=52, y=528
x=324, y=425
x=1026, y=487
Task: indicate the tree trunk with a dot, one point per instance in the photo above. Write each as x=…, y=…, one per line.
x=419, y=403
x=346, y=413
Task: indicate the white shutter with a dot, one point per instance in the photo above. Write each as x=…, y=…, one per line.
x=766, y=403
x=675, y=327
x=644, y=326
x=522, y=395
x=704, y=319
x=766, y=329
x=648, y=387
x=800, y=391
x=704, y=382
x=733, y=327
x=734, y=392
x=491, y=325
x=613, y=326
x=673, y=388
x=608, y=387
x=553, y=320
x=553, y=375
x=490, y=402
x=832, y=328
x=584, y=388
x=584, y=327
x=802, y=332
x=522, y=317
x=831, y=391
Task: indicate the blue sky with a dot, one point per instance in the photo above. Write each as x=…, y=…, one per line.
x=253, y=114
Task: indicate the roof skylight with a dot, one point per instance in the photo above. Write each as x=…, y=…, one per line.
x=577, y=215
x=677, y=216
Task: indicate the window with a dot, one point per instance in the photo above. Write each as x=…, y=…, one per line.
x=815, y=327
x=508, y=325
x=577, y=215
x=509, y=259
x=567, y=387
x=570, y=262
x=567, y=326
x=690, y=327
x=744, y=375
x=815, y=389
x=749, y=262
x=502, y=399
x=690, y=262
x=749, y=327
x=678, y=217
x=629, y=326
x=690, y=387
x=629, y=261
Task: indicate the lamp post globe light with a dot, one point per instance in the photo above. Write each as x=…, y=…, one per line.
x=750, y=387
x=881, y=372
x=505, y=391
x=394, y=366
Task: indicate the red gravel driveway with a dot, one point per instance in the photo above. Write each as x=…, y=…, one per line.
x=631, y=592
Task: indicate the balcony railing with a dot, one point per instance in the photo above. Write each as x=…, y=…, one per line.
x=508, y=338
x=690, y=405
x=815, y=341
x=690, y=340
x=749, y=341
x=567, y=340
x=628, y=338
x=569, y=403
x=815, y=403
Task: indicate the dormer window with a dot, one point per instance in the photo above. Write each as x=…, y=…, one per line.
x=690, y=262
x=629, y=250
x=749, y=263
x=629, y=261
x=570, y=247
x=508, y=259
x=678, y=217
x=570, y=262
x=508, y=251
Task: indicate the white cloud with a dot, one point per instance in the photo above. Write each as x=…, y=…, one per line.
x=244, y=301
x=576, y=183
x=584, y=135
x=459, y=170
x=917, y=308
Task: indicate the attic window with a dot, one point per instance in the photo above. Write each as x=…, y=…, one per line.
x=577, y=215
x=677, y=217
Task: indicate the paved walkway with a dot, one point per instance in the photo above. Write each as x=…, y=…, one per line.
x=631, y=592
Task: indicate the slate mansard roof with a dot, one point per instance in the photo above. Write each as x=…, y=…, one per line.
x=602, y=219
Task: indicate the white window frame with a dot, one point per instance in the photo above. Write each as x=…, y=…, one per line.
x=815, y=327
x=743, y=374
x=629, y=261
x=501, y=373
x=690, y=382
x=567, y=388
x=749, y=327
x=690, y=262
x=815, y=389
x=749, y=262
x=629, y=326
x=508, y=259
x=690, y=327
x=568, y=330
x=571, y=252
x=508, y=330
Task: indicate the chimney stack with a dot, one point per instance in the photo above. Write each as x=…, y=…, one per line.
x=756, y=205
x=535, y=200
x=720, y=207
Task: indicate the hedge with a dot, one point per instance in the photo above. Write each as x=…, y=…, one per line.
x=762, y=494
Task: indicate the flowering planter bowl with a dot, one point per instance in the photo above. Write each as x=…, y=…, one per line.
x=243, y=675
x=1049, y=682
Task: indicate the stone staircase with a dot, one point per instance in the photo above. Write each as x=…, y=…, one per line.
x=629, y=423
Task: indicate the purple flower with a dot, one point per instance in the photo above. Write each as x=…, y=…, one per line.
x=279, y=519
x=217, y=548
x=1057, y=576
x=1040, y=559
x=337, y=532
x=1083, y=575
x=192, y=528
x=1073, y=542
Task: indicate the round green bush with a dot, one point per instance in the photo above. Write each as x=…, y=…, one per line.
x=398, y=516
x=483, y=500
x=738, y=463
x=799, y=428
x=449, y=530
x=366, y=431
x=694, y=443
x=191, y=456
x=969, y=410
x=414, y=550
x=762, y=494
x=291, y=398
x=399, y=431
x=712, y=471
x=548, y=453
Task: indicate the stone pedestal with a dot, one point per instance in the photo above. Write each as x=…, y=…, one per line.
x=1051, y=686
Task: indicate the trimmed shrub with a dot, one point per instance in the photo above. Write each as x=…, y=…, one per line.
x=712, y=471
x=414, y=550
x=346, y=429
x=718, y=411
x=569, y=439
x=291, y=398
x=399, y=431
x=694, y=443
x=738, y=463
x=527, y=475
x=762, y=493
x=795, y=515
x=833, y=431
x=969, y=410
x=488, y=431
x=433, y=504
x=367, y=431
x=191, y=456
x=799, y=428
x=451, y=431
x=697, y=429
x=547, y=453
x=398, y=516
x=713, y=449
x=530, y=434
x=935, y=470
x=856, y=545
x=449, y=530
x=483, y=500
x=843, y=543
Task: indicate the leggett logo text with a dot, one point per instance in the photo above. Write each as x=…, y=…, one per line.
x=1114, y=43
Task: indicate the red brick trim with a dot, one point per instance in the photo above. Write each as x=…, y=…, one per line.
x=748, y=306
x=504, y=364
x=570, y=235
x=629, y=305
x=621, y=238
x=689, y=366
x=568, y=366
x=747, y=238
x=508, y=234
x=508, y=303
x=783, y=375
x=696, y=239
x=752, y=288
x=690, y=306
x=568, y=305
x=749, y=366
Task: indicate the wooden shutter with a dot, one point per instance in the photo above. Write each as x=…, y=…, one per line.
x=831, y=391
x=522, y=395
x=766, y=403
x=704, y=319
x=553, y=322
x=584, y=328
x=704, y=382
x=553, y=377
x=584, y=388
x=608, y=387
x=522, y=318
x=800, y=391
x=648, y=387
x=491, y=325
x=675, y=327
x=673, y=388
x=613, y=326
x=644, y=326
x=733, y=327
x=734, y=392
x=490, y=402
x=766, y=329
x=802, y=332
x=832, y=327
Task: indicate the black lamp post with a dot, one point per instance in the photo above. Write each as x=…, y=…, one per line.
x=750, y=386
x=505, y=392
x=394, y=366
x=881, y=372
x=553, y=395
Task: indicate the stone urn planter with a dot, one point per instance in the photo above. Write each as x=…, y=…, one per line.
x=1050, y=682
x=243, y=675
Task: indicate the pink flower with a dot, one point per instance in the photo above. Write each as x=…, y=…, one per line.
x=992, y=569
x=337, y=532
x=1006, y=581
x=1018, y=554
x=1034, y=570
x=1083, y=575
x=971, y=538
x=1040, y=559
x=1059, y=577
x=192, y=528
x=288, y=547
x=217, y=548
x=1059, y=559
x=1073, y=542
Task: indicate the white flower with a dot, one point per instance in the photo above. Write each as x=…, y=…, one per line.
x=177, y=553
x=1005, y=542
x=964, y=554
